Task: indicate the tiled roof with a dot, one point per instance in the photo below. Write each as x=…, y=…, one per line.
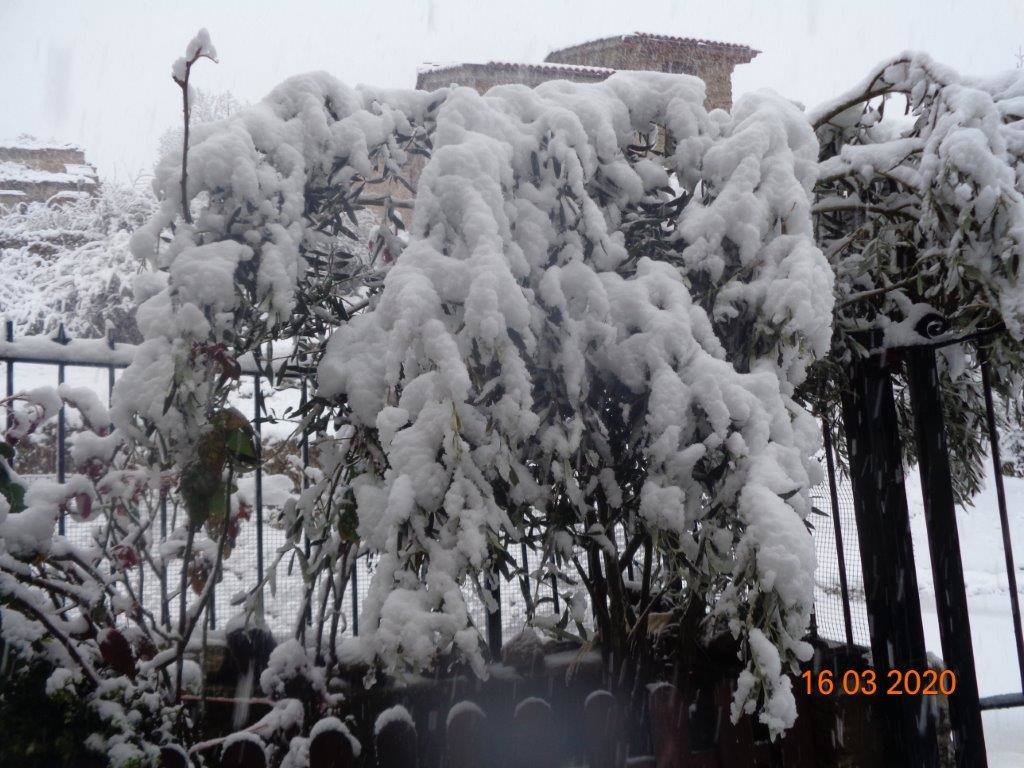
x=492, y=66
x=551, y=68
x=738, y=48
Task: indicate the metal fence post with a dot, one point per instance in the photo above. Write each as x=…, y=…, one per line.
x=525, y=580
x=211, y=613
x=355, y=598
x=9, y=337
x=944, y=546
x=887, y=554
x=304, y=448
x=837, y=529
x=61, y=430
x=258, y=426
x=165, y=613
x=494, y=638
x=110, y=368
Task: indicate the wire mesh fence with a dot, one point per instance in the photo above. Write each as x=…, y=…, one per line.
x=157, y=583
x=829, y=602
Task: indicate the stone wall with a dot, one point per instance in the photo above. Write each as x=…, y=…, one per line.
x=52, y=159
x=712, y=62
x=35, y=172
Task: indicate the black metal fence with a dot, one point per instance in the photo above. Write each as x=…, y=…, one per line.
x=33, y=361
x=839, y=611
x=891, y=587
x=1012, y=699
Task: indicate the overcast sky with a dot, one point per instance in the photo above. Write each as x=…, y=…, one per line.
x=97, y=72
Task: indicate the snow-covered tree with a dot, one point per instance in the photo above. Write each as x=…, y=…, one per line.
x=586, y=335
x=922, y=216
x=271, y=243
x=205, y=107
x=605, y=303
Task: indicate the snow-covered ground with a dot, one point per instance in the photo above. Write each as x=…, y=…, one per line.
x=988, y=600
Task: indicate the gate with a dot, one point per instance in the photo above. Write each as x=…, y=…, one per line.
x=890, y=580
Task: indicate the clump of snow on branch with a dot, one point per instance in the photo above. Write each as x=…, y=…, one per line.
x=920, y=210
x=198, y=47
x=944, y=182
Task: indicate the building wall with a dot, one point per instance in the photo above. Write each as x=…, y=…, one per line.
x=483, y=77
x=44, y=159
x=591, y=62
x=32, y=173
x=711, y=62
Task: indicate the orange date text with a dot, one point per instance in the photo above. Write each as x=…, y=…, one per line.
x=866, y=682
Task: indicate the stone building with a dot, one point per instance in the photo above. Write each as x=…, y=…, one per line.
x=592, y=62
x=33, y=170
x=711, y=61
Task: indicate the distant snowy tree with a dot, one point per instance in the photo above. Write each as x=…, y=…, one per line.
x=1011, y=440
x=206, y=107
x=70, y=263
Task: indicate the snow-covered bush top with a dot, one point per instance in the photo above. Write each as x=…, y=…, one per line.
x=258, y=168
x=231, y=275
x=920, y=210
x=926, y=207
x=605, y=303
x=526, y=358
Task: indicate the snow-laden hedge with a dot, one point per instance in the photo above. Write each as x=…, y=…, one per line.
x=518, y=336
x=528, y=364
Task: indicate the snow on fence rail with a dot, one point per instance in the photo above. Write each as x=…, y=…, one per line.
x=33, y=361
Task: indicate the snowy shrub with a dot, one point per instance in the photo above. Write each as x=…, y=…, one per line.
x=529, y=374
x=204, y=107
x=69, y=718
x=70, y=263
x=75, y=607
x=921, y=213
x=595, y=326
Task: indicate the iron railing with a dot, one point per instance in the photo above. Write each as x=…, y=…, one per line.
x=36, y=360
